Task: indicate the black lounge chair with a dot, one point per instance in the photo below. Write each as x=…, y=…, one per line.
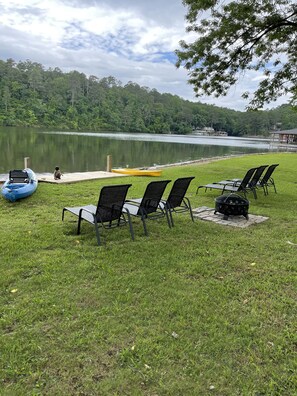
x=229, y=186
x=109, y=212
x=252, y=184
x=149, y=207
x=18, y=176
x=177, y=201
x=267, y=180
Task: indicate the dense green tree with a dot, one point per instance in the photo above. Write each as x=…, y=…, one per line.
x=6, y=97
x=235, y=36
x=33, y=96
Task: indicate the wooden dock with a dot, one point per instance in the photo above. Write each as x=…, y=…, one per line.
x=76, y=177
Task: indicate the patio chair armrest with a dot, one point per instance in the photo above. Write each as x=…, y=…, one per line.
x=134, y=202
x=111, y=207
x=126, y=211
x=227, y=183
x=85, y=210
x=164, y=204
x=87, y=214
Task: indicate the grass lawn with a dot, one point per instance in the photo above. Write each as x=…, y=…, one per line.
x=199, y=309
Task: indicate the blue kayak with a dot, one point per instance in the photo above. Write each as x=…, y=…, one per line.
x=20, y=184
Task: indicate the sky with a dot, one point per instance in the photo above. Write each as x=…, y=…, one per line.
x=131, y=40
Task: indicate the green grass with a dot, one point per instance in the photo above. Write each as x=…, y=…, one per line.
x=200, y=309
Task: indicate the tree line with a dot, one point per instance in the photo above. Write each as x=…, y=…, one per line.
x=32, y=96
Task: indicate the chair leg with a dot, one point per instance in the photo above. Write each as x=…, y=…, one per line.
x=78, y=225
x=198, y=189
x=97, y=231
x=169, y=217
x=254, y=193
x=143, y=216
x=264, y=188
x=168, y=212
x=130, y=224
x=188, y=203
x=144, y=225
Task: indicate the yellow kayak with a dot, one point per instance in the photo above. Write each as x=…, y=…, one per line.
x=137, y=172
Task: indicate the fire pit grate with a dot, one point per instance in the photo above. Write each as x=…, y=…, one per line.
x=232, y=205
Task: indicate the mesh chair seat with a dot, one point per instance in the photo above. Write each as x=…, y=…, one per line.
x=148, y=207
x=109, y=212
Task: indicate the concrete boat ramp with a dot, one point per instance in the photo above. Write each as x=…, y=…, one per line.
x=76, y=177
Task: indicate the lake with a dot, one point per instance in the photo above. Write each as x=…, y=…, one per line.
x=85, y=151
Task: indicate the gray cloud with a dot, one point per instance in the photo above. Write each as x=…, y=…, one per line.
x=162, y=12
x=132, y=41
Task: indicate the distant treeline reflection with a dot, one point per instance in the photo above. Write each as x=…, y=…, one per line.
x=75, y=153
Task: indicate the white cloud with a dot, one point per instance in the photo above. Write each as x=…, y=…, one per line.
x=131, y=40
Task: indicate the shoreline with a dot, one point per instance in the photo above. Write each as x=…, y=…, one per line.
x=203, y=160
x=48, y=177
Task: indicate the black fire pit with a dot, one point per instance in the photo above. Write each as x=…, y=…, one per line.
x=232, y=205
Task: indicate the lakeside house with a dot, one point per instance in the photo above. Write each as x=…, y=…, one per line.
x=286, y=138
x=209, y=131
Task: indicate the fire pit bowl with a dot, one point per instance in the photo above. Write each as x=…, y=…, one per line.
x=232, y=205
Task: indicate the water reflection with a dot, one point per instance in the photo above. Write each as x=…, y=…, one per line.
x=78, y=152
x=185, y=139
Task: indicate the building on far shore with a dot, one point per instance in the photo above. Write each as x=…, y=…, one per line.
x=209, y=131
x=285, y=139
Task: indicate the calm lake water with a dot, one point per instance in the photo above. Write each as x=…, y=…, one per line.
x=79, y=152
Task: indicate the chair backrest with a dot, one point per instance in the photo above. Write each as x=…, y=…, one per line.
x=246, y=179
x=268, y=173
x=178, y=191
x=256, y=176
x=152, y=196
x=18, y=176
x=111, y=201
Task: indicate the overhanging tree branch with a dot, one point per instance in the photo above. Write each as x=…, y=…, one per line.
x=238, y=36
